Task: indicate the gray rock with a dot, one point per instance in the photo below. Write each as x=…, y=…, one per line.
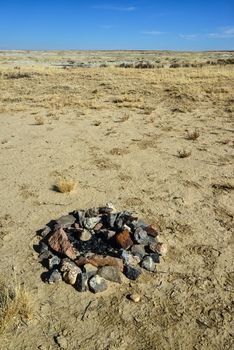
x=148, y=263
x=45, y=255
x=82, y=282
x=45, y=231
x=54, y=261
x=138, y=250
x=90, y=270
x=141, y=236
x=132, y=272
x=111, y=220
x=90, y=223
x=55, y=277
x=85, y=235
x=108, y=234
x=128, y=258
x=139, y=223
x=110, y=273
x=97, y=284
x=65, y=221
x=43, y=247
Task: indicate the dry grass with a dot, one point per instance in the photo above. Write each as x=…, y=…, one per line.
x=65, y=186
x=39, y=120
x=183, y=153
x=192, y=135
x=15, y=305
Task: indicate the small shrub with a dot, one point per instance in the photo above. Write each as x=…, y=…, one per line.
x=39, y=120
x=14, y=305
x=65, y=186
x=192, y=135
x=18, y=75
x=184, y=153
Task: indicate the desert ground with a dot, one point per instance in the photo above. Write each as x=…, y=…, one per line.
x=157, y=142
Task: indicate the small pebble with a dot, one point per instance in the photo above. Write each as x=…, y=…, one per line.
x=135, y=297
x=85, y=236
x=132, y=272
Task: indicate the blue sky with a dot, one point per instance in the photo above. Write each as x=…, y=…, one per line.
x=139, y=24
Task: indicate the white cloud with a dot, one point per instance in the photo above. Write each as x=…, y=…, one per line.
x=188, y=36
x=152, y=32
x=227, y=32
x=115, y=8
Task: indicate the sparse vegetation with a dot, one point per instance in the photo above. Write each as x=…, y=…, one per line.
x=15, y=305
x=192, y=135
x=183, y=153
x=39, y=120
x=65, y=186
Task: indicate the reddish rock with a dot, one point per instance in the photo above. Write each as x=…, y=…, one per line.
x=152, y=230
x=99, y=261
x=124, y=239
x=60, y=243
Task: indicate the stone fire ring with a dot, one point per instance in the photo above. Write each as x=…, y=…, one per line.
x=91, y=248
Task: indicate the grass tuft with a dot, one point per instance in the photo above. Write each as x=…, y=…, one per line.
x=65, y=186
x=192, y=135
x=39, y=120
x=183, y=153
x=15, y=306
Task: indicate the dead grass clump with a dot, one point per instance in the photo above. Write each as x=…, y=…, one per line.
x=18, y=75
x=192, y=135
x=14, y=305
x=65, y=186
x=183, y=153
x=39, y=120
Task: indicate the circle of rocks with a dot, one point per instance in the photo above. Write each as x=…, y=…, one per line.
x=91, y=248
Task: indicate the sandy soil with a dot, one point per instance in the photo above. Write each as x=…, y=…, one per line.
x=117, y=132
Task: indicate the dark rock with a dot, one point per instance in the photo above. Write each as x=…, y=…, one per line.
x=45, y=255
x=82, y=282
x=141, y=236
x=138, y=250
x=123, y=239
x=110, y=273
x=65, y=221
x=60, y=243
x=97, y=284
x=54, y=276
x=155, y=257
x=54, y=261
x=45, y=231
x=43, y=247
x=148, y=263
x=80, y=216
x=132, y=272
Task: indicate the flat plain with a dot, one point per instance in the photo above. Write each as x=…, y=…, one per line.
x=156, y=141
